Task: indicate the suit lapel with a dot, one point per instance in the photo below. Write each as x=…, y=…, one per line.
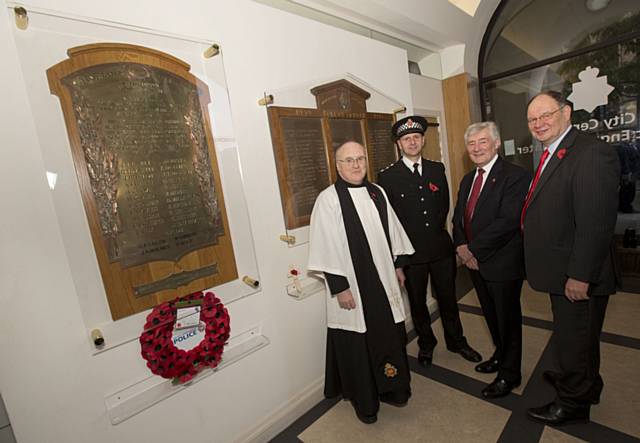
x=465, y=187
x=554, y=162
x=496, y=171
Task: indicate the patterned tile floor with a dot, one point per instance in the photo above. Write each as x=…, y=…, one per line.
x=446, y=405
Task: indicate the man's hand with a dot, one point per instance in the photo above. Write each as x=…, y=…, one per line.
x=576, y=290
x=472, y=263
x=400, y=276
x=345, y=300
x=464, y=253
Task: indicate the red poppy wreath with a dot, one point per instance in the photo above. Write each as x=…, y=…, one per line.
x=164, y=358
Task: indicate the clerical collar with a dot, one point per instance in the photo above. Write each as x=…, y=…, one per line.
x=351, y=185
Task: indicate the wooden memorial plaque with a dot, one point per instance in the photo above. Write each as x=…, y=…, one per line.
x=381, y=149
x=143, y=152
x=304, y=142
x=341, y=96
x=299, y=141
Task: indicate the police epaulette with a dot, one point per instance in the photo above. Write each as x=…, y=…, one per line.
x=386, y=167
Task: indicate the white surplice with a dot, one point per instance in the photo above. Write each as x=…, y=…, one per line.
x=329, y=252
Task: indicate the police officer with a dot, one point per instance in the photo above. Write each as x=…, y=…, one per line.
x=419, y=193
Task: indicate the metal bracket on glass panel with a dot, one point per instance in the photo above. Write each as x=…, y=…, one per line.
x=305, y=287
x=136, y=398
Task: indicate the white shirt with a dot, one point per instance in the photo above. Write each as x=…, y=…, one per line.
x=552, y=148
x=487, y=171
x=409, y=164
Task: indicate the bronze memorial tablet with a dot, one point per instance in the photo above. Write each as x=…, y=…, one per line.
x=144, y=156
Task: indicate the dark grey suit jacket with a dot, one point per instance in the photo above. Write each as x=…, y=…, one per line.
x=569, y=224
x=495, y=227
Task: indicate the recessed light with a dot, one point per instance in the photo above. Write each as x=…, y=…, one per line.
x=596, y=5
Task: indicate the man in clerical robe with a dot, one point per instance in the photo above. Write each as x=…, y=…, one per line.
x=358, y=244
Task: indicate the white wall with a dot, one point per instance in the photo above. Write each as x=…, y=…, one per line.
x=426, y=94
x=53, y=388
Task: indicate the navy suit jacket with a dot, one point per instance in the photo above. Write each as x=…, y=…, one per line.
x=495, y=226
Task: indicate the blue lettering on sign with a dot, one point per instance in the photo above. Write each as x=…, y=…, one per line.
x=185, y=336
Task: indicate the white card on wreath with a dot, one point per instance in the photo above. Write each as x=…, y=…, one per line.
x=187, y=317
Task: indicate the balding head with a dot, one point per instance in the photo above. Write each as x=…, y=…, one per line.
x=351, y=162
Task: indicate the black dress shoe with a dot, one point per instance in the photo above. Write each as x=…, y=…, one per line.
x=367, y=419
x=425, y=358
x=552, y=378
x=488, y=367
x=468, y=353
x=554, y=414
x=499, y=388
x=393, y=400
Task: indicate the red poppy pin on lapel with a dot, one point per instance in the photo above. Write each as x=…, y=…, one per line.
x=433, y=187
x=561, y=153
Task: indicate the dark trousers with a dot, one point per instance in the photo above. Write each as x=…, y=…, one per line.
x=443, y=274
x=500, y=302
x=576, y=334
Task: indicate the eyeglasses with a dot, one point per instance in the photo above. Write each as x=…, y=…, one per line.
x=350, y=161
x=544, y=118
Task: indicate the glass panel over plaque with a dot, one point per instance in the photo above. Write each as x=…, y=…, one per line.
x=343, y=130
x=303, y=173
x=380, y=147
x=146, y=165
x=306, y=161
x=304, y=142
x=143, y=138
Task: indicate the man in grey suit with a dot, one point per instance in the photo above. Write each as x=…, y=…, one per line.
x=568, y=222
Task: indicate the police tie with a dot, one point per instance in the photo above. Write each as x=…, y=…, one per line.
x=471, y=203
x=416, y=172
x=532, y=188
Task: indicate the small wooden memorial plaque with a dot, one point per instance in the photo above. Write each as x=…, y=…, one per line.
x=341, y=95
x=380, y=147
x=301, y=159
x=304, y=142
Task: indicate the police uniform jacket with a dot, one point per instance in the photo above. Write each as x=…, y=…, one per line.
x=422, y=205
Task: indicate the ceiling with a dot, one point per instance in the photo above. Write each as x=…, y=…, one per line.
x=422, y=28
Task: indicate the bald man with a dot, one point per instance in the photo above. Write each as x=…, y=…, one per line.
x=357, y=243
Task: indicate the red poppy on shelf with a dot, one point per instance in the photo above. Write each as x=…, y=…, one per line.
x=158, y=348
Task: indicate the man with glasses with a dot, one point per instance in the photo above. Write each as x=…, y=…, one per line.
x=568, y=222
x=354, y=239
x=419, y=193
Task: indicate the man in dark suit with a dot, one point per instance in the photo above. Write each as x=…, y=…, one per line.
x=568, y=223
x=419, y=194
x=486, y=234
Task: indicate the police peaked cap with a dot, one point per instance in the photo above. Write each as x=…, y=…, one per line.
x=409, y=125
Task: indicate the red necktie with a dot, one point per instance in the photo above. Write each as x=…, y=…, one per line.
x=471, y=203
x=543, y=158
